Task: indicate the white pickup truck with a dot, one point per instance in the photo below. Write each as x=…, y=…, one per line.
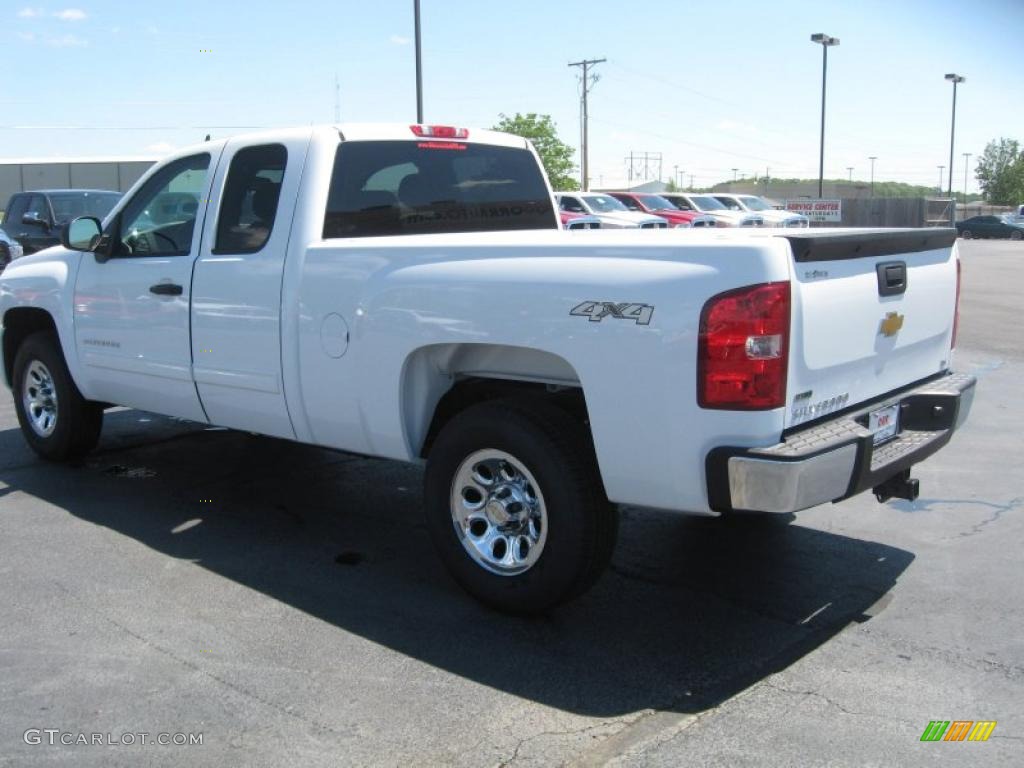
x=405, y=292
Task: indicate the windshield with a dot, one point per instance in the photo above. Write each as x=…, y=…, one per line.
x=707, y=203
x=754, y=203
x=68, y=205
x=1013, y=218
x=656, y=203
x=604, y=204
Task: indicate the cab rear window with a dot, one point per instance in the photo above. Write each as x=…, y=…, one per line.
x=406, y=187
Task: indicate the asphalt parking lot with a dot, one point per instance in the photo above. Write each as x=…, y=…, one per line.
x=285, y=603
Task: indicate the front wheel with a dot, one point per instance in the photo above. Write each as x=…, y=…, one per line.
x=57, y=422
x=967, y=234
x=1016, y=235
x=515, y=505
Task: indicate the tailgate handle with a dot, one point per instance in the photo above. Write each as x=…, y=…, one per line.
x=892, y=278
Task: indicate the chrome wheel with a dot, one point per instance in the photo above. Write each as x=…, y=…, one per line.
x=40, y=398
x=498, y=512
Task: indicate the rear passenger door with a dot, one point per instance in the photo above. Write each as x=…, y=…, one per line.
x=236, y=287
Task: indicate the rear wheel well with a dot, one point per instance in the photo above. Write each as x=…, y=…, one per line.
x=470, y=391
x=19, y=324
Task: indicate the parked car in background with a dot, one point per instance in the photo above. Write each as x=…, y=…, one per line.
x=578, y=220
x=35, y=218
x=707, y=204
x=754, y=204
x=1007, y=225
x=611, y=213
x=9, y=249
x=657, y=205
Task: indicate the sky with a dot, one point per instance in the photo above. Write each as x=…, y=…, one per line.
x=711, y=87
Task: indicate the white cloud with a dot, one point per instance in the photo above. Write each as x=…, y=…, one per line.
x=30, y=13
x=160, y=148
x=67, y=41
x=399, y=40
x=28, y=37
x=70, y=14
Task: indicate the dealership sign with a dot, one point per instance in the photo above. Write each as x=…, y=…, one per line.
x=817, y=210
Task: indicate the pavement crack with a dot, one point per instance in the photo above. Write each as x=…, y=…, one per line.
x=818, y=694
x=1000, y=510
x=604, y=724
x=289, y=710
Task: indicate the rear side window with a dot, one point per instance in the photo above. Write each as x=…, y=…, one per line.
x=249, y=205
x=407, y=187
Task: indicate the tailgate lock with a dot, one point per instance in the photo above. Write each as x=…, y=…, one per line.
x=892, y=278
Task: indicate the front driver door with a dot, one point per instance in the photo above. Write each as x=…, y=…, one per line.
x=132, y=311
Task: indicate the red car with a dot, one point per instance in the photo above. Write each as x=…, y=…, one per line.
x=657, y=205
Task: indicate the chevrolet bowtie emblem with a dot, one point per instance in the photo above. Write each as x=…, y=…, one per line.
x=891, y=324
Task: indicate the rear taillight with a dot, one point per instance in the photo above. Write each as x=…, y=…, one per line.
x=440, y=131
x=956, y=312
x=743, y=348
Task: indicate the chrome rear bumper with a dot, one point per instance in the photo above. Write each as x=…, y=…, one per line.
x=837, y=458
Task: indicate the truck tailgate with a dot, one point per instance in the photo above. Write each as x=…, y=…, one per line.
x=873, y=311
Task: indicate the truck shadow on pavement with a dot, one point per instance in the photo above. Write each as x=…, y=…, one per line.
x=692, y=611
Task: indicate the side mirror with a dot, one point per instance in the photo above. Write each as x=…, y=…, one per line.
x=81, y=234
x=33, y=220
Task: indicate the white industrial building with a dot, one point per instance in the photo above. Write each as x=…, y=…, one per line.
x=113, y=173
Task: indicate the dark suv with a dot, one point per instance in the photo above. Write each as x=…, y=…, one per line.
x=35, y=218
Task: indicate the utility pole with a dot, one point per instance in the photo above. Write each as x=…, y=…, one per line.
x=690, y=188
x=734, y=173
x=872, y=159
x=675, y=174
x=967, y=160
x=850, y=169
x=941, y=169
x=955, y=79
x=825, y=41
x=585, y=64
x=419, y=64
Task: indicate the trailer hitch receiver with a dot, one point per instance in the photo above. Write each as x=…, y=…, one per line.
x=899, y=486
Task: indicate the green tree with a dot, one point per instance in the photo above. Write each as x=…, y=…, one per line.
x=1000, y=172
x=555, y=154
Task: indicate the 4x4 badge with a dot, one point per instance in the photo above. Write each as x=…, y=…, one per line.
x=596, y=311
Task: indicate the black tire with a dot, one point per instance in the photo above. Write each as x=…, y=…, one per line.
x=967, y=234
x=78, y=422
x=581, y=524
x=1016, y=235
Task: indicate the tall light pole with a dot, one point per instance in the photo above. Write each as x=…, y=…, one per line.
x=419, y=64
x=850, y=169
x=586, y=63
x=825, y=41
x=941, y=169
x=954, y=79
x=734, y=173
x=872, y=159
x=967, y=160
